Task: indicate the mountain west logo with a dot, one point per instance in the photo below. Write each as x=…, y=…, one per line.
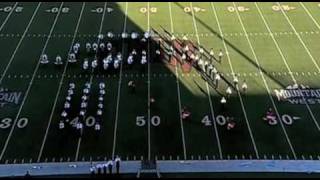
x=8, y=97
x=298, y=94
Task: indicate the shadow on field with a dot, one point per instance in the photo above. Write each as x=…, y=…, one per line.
x=234, y=48
x=166, y=139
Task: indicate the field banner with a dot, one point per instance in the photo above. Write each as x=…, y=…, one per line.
x=298, y=94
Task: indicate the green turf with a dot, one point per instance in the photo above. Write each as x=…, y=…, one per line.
x=169, y=85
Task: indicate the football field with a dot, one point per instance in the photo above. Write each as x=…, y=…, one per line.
x=273, y=47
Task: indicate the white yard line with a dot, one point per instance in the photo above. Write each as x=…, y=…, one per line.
x=231, y=67
x=119, y=87
x=310, y=15
x=285, y=61
x=91, y=76
x=299, y=37
x=5, y=21
x=19, y=43
x=178, y=89
x=265, y=82
x=149, y=138
x=287, y=66
x=30, y=84
x=60, y=85
x=208, y=92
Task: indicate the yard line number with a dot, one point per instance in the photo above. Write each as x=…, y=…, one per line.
x=196, y=9
x=284, y=7
x=7, y=122
x=151, y=9
x=99, y=10
x=221, y=120
x=7, y=9
x=56, y=9
x=239, y=8
x=89, y=121
x=155, y=121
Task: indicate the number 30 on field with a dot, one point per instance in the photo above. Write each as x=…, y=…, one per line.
x=155, y=121
x=7, y=122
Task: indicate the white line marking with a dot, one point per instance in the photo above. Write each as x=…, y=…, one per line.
x=60, y=85
x=19, y=43
x=92, y=75
x=5, y=21
x=240, y=98
x=302, y=42
x=178, y=89
x=149, y=143
x=264, y=80
x=30, y=84
x=119, y=87
x=207, y=87
x=307, y=50
x=285, y=62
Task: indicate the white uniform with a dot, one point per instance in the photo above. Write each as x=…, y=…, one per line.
x=235, y=80
x=220, y=54
x=192, y=56
x=100, y=105
x=70, y=92
x=134, y=35
x=85, y=65
x=88, y=47
x=44, y=59
x=102, y=85
x=130, y=59
x=95, y=47
x=119, y=56
x=72, y=58
x=229, y=91
x=64, y=114
x=58, y=60
x=116, y=64
x=99, y=112
x=97, y=127
x=72, y=86
x=186, y=48
x=75, y=49
x=77, y=44
x=86, y=91
x=217, y=77
x=94, y=63
x=88, y=85
x=201, y=51
x=82, y=113
x=61, y=125
x=244, y=86
x=105, y=65
x=109, y=46
x=134, y=52
x=124, y=35
x=223, y=100
x=102, y=46
x=110, y=35
x=66, y=105
x=79, y=126
x=144, y=60
x=68, y=98
x=146, y=34
x=102, y=92
x=84, y=98
x=183, y=57
x=84, y=105
x=211, y=53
